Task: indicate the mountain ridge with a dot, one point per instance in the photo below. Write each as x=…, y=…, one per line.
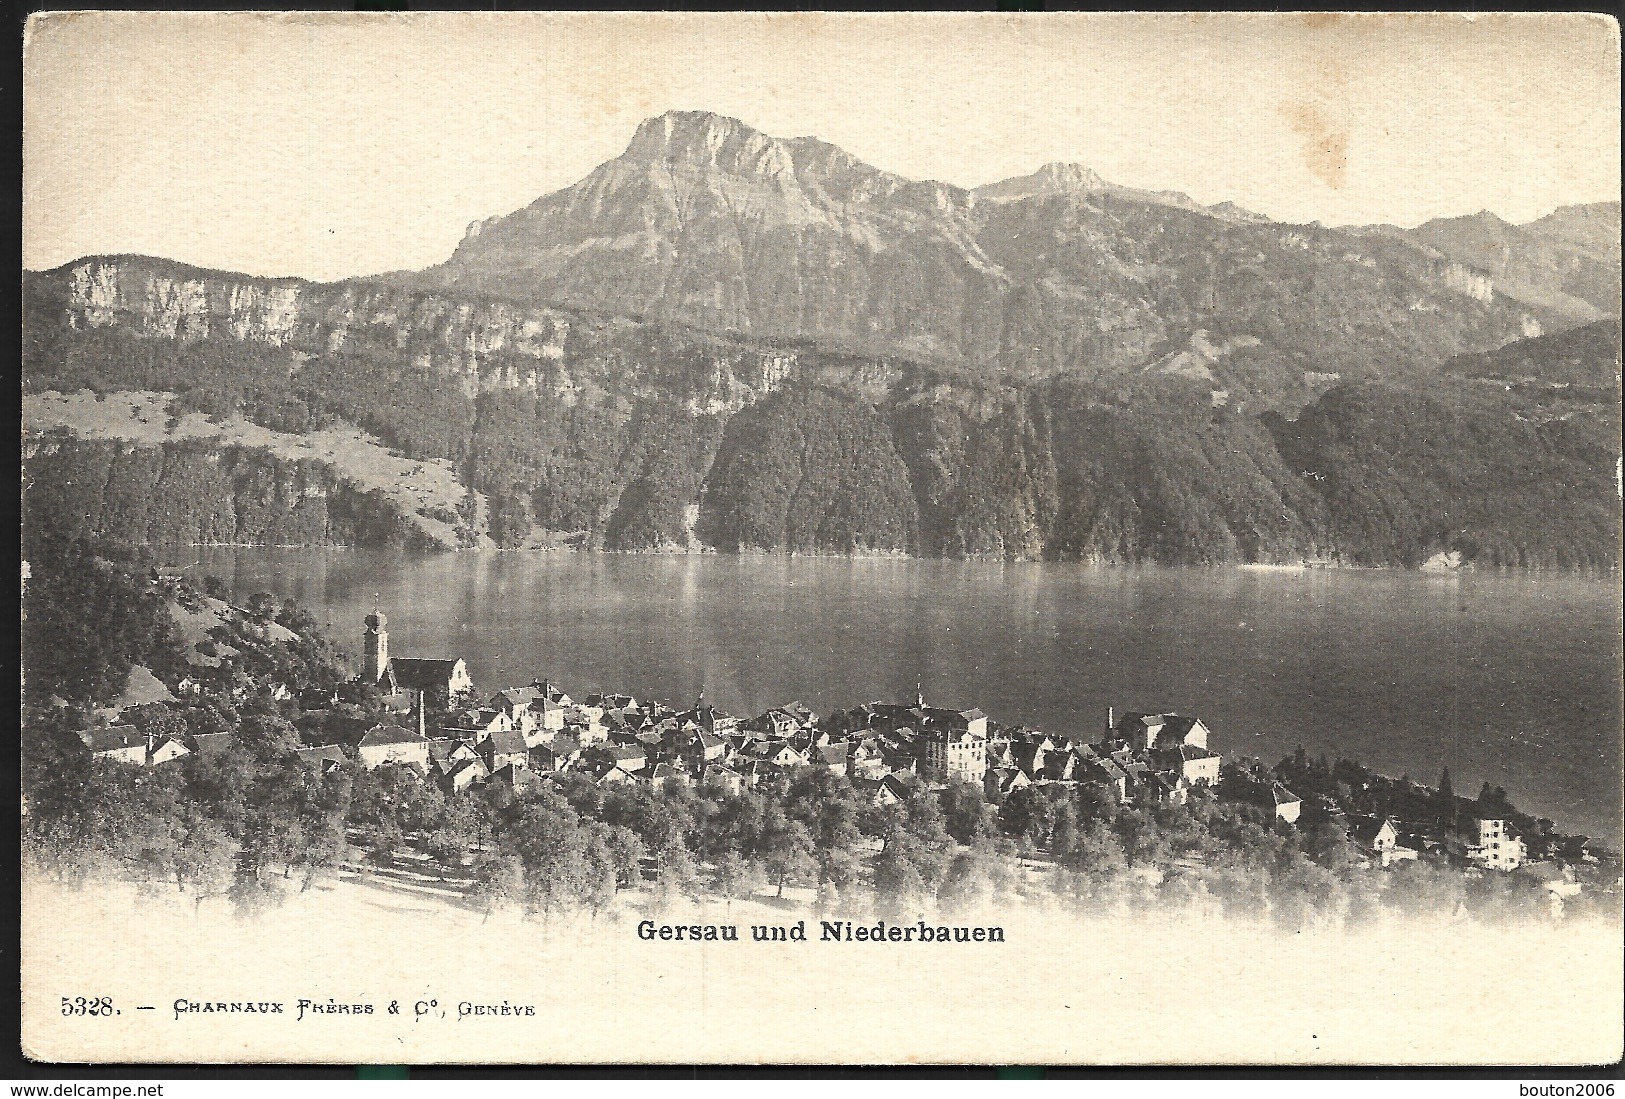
x=706, y=221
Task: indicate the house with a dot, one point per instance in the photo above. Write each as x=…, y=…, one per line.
x=972, y=722
x=631, y=758
x=119, y=744
x=833, y=757
x=544, y=760
x=440, y=749
x=894, y=789
x=1028, y=756
x=504, y=748
x=563, y=750
x=485, y=720
x=167, y=749
x=866, y=758
x=1288, y=806
x=700, y=748
x=663, y=774
x=521, y=779
x=584, y=712
x=514, y=700
x=1095, y=767
x=776, y=752
x=782, y=722
x=385, y=743
x=1199, y=766
x=1138, y=731
x=1059, y=766
x=583, y=723
x=446, y=676
x=875, y=792
x=546, y=716
x=1373, y=835
x=607, y=772
x=447, y=755
x=1143, y=732
x=322, y=760
x=466, y=773
x=1164, y=788
x=1010, y=779
x=725, y=779
x=711, y=719
x=1489, y=842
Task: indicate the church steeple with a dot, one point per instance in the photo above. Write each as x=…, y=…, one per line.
x=375, y=648
x=919, y=695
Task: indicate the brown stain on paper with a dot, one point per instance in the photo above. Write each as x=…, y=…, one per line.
x=1325, y=144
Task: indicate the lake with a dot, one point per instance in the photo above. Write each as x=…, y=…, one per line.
x=1510, y=678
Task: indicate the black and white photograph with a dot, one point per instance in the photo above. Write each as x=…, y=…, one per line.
x=821, y=539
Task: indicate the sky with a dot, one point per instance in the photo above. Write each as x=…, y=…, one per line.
x=331, y=145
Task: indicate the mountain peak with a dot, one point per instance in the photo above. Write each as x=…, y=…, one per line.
x=1054, y=178
x=697, y=136
x=1072, y=176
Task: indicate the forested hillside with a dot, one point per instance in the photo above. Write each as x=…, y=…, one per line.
x=1404, y=474
x=197, y=492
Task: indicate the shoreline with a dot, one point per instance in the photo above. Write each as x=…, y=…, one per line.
x=1285, y=569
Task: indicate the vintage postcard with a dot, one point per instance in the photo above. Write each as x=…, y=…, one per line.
x=821, y=539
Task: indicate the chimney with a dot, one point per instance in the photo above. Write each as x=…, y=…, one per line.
x=1111, y=720
x=422, y=720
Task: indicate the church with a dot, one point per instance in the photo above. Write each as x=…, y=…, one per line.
x=404, y=678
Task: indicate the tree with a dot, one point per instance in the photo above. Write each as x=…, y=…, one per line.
x=966, y=813
x=499, y=880
x=736, y=877
x=786, y=849
x=1424, y=887
x=1096, y=850
x=89, y=617
x=205, y=859
x=263, y=606
x=678, y=881
x=899, y=883
x=626, y=854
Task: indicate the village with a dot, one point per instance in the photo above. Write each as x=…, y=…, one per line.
x=436, y=727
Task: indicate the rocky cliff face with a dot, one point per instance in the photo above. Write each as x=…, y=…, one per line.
x=478, y=344
x=1564, y=266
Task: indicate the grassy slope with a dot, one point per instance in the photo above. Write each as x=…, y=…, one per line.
x=427, y=493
